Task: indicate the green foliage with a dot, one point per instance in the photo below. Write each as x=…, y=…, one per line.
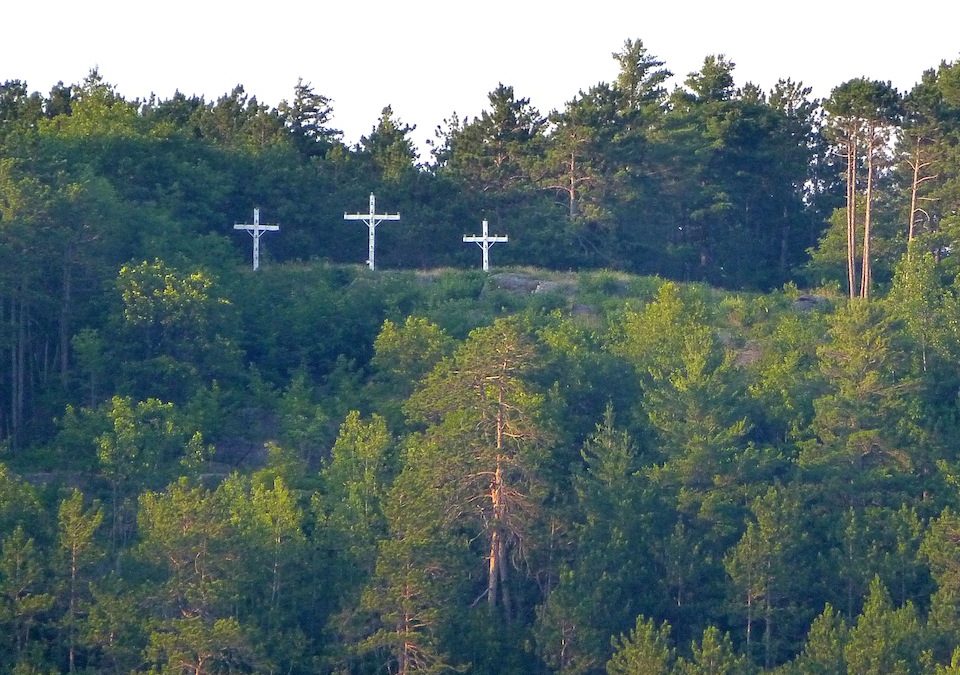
x=178, y=324
x=787, y=380
x=921, y=303
x=389, y=149
x=688, y=382
x=303, y=422
x=95, y=110
x=823, y=651
x=356, y=479
x=713, y=655
x=646, y=649
x=607, y=575
x=407, y=599
x=79, y=551
x=406, y=353
x=19, y=502
x=478, y=403
x=114, y=632
x=939, y=550
x=183, y=531
x=760, y=567
x=24, y=596
x=220, y=645
x=884, y=639
x=145, y=443
x=864, y=427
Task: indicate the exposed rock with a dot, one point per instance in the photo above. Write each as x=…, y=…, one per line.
x=809, y=303
x=509, y=281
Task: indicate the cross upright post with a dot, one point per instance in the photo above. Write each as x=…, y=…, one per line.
x=256, y=230
x=485, y=242
x=371, y=219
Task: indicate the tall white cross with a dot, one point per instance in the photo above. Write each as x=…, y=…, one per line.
x=485, y=242
x=372, y=219
x=256, y=230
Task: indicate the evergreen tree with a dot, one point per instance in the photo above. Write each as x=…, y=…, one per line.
x=308, y=117
x=79, y=550
x=24, y=596
x=607, y=574
x=646, y=649
x=713, y=655
x=356, y=479
x=865, y=433
x=389, y=149
x=478, y=404
x=760, y=566
x=884, y=639
x=823, y=651
x=863, y=114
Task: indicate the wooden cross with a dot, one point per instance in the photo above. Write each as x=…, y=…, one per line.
x=372, y=219
x=485, y=242
x=256, y=230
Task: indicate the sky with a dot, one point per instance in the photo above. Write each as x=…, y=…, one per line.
x=430, y=58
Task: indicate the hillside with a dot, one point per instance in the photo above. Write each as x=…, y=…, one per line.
x=700, y=416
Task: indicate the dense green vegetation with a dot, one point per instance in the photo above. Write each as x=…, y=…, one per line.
x=636, y=447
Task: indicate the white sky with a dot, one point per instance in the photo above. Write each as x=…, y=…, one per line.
x=429, y=58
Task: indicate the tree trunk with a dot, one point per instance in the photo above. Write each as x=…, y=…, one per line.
x=497, y=573
x=917, y=164
x=404, y=665
x=852, y=213
x=914, y=188
x=493, y=571
x=865, y=266
x=497, y=590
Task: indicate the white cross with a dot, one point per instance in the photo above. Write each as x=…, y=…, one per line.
x=485, y=242
x=256, y=230
x=372, y=219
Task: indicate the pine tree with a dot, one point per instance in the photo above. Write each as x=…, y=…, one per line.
x=478, y=404
x=646, y=649
x=78, y=527
x=884, y=640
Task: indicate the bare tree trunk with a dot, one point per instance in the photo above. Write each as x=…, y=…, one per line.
x=852, y=213
x=404, y=665
x=917, y=164
x=914, y=188
x=497, y=591
x=497, y=573
x=496, y=496
x=865, y=266
x=493, y=571
x=504, y=583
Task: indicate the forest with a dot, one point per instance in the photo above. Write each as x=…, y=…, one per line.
x=702, y=416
